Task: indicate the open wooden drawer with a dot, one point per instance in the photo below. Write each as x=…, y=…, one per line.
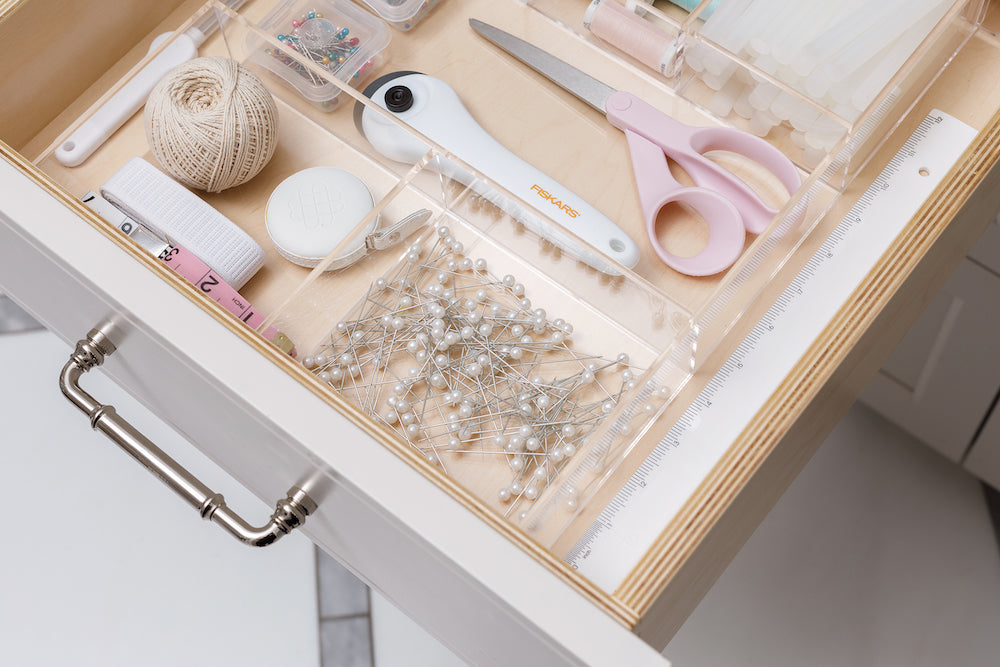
x=421, y=522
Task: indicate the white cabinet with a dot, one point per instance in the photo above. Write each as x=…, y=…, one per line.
x=987, y=249
x=940, y=381
x=984, y=457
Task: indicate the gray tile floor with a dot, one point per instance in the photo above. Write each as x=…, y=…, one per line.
x=344, y=616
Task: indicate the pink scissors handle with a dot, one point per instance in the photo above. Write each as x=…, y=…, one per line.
x=657, y=188
x=686, y=144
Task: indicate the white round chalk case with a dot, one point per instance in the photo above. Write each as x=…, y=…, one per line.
x=312, y=211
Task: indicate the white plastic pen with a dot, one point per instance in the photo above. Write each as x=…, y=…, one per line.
x=97, y=129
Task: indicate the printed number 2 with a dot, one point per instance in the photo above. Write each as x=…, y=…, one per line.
x=208, y=283
x=168, y=254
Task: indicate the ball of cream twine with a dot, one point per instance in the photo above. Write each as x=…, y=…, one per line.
x=211, y=123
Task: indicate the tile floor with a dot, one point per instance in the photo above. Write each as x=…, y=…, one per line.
x=344, y=616
x=880, y=554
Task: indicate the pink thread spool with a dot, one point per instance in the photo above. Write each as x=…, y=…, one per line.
x=630, y=33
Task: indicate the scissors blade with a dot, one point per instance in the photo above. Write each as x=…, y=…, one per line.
x=584, y=86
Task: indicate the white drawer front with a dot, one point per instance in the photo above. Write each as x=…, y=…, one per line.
x=478, y=592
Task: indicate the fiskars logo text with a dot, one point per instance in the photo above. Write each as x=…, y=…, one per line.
x=551, y=198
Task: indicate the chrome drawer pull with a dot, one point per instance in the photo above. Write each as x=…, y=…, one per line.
x=290, y=512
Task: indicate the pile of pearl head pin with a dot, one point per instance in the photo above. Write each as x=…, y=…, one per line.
x=462, y=365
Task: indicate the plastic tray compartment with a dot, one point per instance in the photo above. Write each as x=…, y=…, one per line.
x=488, y=360
x=833, y=87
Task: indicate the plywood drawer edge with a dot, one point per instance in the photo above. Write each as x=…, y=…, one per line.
x=794, y=421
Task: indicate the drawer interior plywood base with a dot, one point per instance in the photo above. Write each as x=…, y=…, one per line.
x=645, y=307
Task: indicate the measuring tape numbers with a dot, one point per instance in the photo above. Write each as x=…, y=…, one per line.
x=190, y=267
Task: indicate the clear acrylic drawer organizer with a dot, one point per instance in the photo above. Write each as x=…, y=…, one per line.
x=666, y=324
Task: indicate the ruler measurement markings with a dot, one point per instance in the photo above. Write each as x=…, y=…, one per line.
x=631, y=517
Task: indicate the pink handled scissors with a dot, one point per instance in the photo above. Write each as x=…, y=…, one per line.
x=728, y=206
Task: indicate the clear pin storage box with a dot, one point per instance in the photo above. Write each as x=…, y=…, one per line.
x=332, y=36
x=401, y=14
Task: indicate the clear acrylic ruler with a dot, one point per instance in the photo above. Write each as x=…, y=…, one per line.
x=629, y=525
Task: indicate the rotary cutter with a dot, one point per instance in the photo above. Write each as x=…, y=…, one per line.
x=433, y=108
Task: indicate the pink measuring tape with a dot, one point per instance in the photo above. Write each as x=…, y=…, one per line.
x=186, y=264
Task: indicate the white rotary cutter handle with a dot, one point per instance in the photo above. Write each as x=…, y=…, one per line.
x=433, y=108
